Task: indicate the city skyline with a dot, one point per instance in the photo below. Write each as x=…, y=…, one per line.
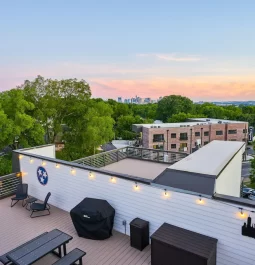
x=202, y=50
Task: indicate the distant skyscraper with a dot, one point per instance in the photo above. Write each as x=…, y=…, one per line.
x=120, y=99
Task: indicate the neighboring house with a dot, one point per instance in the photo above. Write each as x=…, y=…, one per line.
x=190, y=135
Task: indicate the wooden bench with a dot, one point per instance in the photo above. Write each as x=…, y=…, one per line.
x=73, y=256
x=4, y=258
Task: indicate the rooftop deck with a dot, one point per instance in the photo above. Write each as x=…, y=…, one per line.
x=139, y=168
x=17, y=228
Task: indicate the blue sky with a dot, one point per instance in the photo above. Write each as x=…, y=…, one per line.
x=151, y=48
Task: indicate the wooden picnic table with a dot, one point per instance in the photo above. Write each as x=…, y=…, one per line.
x=38, y=248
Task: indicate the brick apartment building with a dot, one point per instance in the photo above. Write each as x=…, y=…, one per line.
x=188, y=136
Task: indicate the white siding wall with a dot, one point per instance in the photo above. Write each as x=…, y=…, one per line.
x=48, y=151
x=212, y=218
x=229, y=181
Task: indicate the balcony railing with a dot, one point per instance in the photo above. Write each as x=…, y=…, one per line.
x=155, y=140
x=106, y=158
x=8, y=184
x=184, y=138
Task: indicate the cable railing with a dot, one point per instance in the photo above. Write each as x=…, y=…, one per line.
x=113, y=156
x=8, y=184
x=103, y=159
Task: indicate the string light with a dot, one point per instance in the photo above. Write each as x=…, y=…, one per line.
x=91, y=175
x=241, y=211
x=136, y=186
x=57, y=165
x=113, y=179
x=31, y=160
x=43, y=163
x=73, y=171
x=20, y=156
x=165, y=193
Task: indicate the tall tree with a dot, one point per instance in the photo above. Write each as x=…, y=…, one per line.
x=15, y=121
x=88, y=127
x=173, y=104
x=54, y=100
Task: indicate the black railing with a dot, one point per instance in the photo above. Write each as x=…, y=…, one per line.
x=184, y=138
x=157, y=140
x=8, y=184
x=106, y=158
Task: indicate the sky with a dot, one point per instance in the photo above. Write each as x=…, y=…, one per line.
x=201, y=49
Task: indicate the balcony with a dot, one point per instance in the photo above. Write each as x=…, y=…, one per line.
x=158, y=140
x=184, y=138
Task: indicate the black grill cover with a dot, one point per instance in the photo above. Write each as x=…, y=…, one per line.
x=93, y=218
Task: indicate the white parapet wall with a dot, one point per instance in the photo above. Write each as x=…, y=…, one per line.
x=210, y=217
x=229, y=180
x=47, y=150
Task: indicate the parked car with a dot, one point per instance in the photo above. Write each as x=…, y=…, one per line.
x=251, y=197
x=247, y=192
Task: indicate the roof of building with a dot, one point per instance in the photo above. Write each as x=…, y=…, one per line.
x=198, y=171
x=190, y=123
x=201, y=161
x=108, y=147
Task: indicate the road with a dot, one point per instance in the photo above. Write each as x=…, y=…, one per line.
x=246, y=169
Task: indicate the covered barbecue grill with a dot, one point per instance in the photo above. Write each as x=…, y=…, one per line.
x=93, y=218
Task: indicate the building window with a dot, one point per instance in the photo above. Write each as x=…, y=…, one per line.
x=183, y=147
x=219, y=132
x=158, y=137
x=232, y=131
x=160, y=147
x=244, y=130
x=183, y=136
x=173, y=146
x=173, y=135
x=206, y=133
x=205, y=143
x=197, y=133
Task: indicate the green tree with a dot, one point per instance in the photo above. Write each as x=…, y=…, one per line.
x=124, y=126
x=5, y=165
x=89, y=126
x=54, y=100
x=15, y=121
x=181, y=117
x=173, y=104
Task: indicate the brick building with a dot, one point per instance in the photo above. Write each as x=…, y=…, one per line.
x=190, y=135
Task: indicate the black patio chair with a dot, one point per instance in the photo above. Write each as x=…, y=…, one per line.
x=21, y=194
x=40, y=207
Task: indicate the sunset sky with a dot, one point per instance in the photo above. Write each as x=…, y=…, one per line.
x=201, y=49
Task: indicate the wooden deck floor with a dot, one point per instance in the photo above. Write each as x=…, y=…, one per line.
x=16, y=227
